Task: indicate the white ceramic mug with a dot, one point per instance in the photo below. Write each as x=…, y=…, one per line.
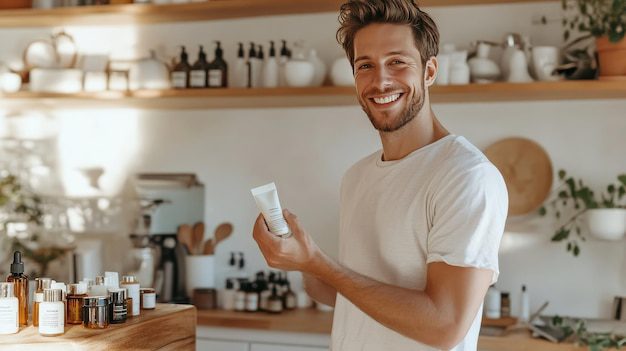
x=545, y=60
x=199, y=272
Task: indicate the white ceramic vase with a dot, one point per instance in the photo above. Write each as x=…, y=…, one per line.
x=607, y=223
x=482, y=69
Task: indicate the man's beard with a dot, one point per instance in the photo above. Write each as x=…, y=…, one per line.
x=392, y=124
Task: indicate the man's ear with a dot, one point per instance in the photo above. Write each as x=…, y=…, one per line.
x=430, y=71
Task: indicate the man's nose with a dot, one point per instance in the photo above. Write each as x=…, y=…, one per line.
x=382, y=78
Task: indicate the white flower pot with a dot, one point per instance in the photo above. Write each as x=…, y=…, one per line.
x=607, y=223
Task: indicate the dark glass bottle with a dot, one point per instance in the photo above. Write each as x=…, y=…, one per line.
x=218, y=69
x=198, y=73
x=180, y=73
x=18, y=277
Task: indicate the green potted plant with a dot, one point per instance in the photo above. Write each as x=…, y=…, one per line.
x=604, y=20
x=22, y=225
x=605, y=215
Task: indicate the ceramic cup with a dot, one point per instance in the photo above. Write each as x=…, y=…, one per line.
x=545, y=59
x=199, y=272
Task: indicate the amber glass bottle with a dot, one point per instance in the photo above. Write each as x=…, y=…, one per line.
x=75, y=295
x=21, y=286
x=41, y=284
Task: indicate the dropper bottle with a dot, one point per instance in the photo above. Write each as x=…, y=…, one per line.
x=18, y=277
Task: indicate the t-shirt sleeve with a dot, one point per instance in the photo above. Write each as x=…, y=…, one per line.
x=469, y=215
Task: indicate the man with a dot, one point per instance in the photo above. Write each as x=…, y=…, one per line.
x=421, y=220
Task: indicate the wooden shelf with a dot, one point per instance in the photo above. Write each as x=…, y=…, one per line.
x=309, y=97
x=198, y=11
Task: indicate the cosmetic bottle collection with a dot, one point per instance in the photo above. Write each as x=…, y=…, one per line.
x=93, y=303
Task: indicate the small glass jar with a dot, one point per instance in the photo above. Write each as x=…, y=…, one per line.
x=148, y=298
x=75, y=295
x=505, y=305
x=96, y=312
x=117, y=308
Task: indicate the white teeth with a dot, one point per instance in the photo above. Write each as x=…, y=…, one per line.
x=387, y=99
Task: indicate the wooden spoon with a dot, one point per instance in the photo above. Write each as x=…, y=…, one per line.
x=184, y=237
x=197, y=238
x=222, y=232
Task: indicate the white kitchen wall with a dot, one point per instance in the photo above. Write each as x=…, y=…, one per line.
x=306, y=150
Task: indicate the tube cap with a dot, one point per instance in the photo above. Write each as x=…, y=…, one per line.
x=7, y=290
x=17, y=267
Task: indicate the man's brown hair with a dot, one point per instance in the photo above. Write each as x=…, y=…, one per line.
x=357, y=14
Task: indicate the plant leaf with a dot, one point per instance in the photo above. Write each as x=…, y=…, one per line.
x=576, y=250
x=542, y=211
x=561, y=234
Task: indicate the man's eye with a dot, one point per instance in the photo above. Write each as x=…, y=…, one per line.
x=397, y=62
x=365, y=66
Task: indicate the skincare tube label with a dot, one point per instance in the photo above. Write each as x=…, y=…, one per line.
x=267, y=201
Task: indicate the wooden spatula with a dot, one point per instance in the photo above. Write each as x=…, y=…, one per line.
x=184, y=237
x=222, y=232
x=197, y=238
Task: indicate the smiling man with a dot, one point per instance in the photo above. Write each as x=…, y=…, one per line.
x=421, y=219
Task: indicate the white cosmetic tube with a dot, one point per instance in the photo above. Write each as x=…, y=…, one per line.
x=266, y=198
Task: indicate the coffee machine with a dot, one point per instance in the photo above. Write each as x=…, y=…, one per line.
x=168, y=200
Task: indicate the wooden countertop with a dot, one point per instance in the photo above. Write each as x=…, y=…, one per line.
x=317, y=322
x=168, y=327
x=300, y=320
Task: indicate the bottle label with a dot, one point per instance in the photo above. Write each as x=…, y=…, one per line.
x=119, y=312
x=179, y=80
x=197, y=79
x=38, y=297
x=8, y=316
x=51, y=318
x=215, y=78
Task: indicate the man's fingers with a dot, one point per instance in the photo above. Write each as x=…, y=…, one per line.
x=294, y=224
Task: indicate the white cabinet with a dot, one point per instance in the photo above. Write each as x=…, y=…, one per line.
x=277, y=347
x=239, y=339
x=214, y=345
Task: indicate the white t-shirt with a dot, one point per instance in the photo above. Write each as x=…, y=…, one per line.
x=445, y=202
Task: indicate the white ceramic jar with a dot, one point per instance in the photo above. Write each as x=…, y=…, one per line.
x=52, y=313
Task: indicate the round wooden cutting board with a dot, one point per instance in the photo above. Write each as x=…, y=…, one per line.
x=527, y=171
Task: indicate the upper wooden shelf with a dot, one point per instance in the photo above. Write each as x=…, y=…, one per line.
x=309, y=97
x=196, y=11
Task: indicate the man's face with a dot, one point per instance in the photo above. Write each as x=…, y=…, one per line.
x=389, y=75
